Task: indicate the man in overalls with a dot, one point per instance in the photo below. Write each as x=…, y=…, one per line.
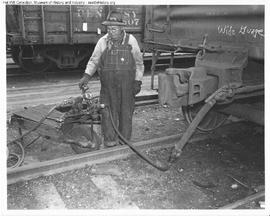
x=118, y=56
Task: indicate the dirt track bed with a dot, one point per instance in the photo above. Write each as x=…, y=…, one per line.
x=148, y=122
x=200, y=179
x=208, y=163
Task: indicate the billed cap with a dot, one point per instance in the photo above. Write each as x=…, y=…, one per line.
x=114, y=19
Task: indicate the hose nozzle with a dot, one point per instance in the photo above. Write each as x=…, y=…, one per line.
x=174, y=155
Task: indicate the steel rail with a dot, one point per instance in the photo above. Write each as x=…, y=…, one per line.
x=68, y=163
x=244, y=201
x=14, y=70
x=144, y=100
x=139, y=101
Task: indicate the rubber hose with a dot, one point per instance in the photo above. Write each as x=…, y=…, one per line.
x=20, y=158
x=157, y=164
x=34, y=128
x=28, y=132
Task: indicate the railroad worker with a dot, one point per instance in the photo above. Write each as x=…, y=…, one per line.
x=118, y=57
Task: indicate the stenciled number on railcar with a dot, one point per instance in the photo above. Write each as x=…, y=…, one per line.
x=131, y=18
x=93, y=12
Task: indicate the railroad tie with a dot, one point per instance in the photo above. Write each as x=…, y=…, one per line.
x=48, y=197
x=115, y=196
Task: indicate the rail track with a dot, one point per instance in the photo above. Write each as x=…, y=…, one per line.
x=54, y=93
x=55, y=86
x=108, y=155
x=14, y=70
x=50, y=167
x=78, y=161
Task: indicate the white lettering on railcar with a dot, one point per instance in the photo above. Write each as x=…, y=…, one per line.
x=131, y=18
x=230, y=30
x=254, y=32
x=93, y=12
x=227, y=30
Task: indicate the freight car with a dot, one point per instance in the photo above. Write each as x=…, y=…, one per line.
x=40, y=36
x=228, y=75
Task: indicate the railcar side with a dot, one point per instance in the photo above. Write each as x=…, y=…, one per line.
x=229, y=66
x=42, y=35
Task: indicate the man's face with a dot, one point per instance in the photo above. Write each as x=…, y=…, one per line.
x=114, y=32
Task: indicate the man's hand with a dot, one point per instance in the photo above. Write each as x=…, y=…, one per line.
x=84, y=80
x=137, y=87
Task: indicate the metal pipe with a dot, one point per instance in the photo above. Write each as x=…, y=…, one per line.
x=245, y=111
x=155, y=56
x=43, y=25
x=171, y=59
x=22, y=22
x=168, y=14
x=70, y=25
x=247, y=89
x=244, y=201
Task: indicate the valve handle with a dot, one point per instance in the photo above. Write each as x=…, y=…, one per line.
x=84, y=88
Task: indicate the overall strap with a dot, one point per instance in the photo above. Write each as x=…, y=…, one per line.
x=126, y=39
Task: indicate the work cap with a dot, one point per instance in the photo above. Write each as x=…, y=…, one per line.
x=114, y=19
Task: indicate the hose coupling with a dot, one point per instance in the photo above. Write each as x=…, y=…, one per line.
x=175, y=155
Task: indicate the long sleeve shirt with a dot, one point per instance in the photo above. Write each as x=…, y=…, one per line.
x=100, y=47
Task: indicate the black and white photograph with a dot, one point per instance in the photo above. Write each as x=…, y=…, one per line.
x=134, y=107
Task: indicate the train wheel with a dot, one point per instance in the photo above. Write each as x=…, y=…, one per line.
x=211, y=121
x=15, y=54
x=84, y=133
x=32, y=60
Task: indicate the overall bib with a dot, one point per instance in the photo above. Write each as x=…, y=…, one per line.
x=117, y=77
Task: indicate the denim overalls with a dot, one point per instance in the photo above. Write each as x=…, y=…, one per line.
x=117, y=77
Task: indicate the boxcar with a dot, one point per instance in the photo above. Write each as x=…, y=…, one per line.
x=42, y=35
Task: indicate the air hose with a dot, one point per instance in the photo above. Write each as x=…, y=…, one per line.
x=38, y=124
x=21, y=158
x=34, y=128
x=209, y=103
x=157, y=164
